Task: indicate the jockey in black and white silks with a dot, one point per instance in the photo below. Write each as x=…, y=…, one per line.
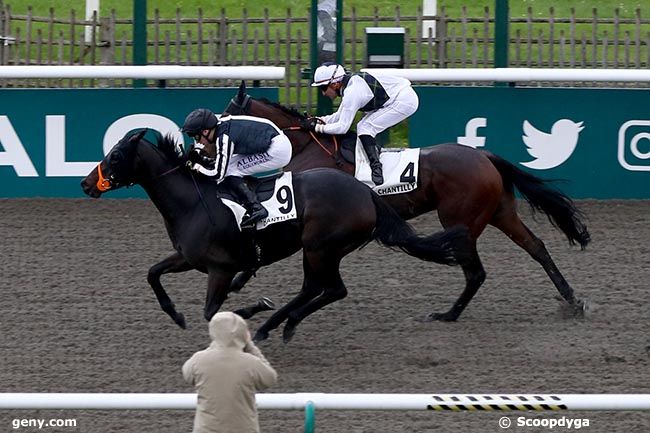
x=236, y=146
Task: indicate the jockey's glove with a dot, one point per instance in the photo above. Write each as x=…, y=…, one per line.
x=195, y=156
x=309, y=123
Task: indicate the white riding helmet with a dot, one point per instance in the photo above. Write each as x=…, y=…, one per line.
x=327, y=74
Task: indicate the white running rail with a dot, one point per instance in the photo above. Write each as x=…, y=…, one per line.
x=440, y=402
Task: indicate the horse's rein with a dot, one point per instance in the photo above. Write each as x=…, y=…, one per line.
x=243, y=107
x=171, y=170
x=336, y=143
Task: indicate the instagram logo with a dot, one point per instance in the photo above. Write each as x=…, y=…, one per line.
x=634, y=145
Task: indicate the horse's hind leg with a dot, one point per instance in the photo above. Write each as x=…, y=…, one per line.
x=307, y=293
x=334, y=290
x=509, y=222
x=174, y=263
x=474, y=278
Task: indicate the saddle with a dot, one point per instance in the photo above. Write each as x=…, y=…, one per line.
x=348, y=142
x=262, y=186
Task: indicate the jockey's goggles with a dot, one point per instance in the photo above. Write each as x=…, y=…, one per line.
x=324, y=87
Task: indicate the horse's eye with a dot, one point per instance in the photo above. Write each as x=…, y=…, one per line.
x=115, y=158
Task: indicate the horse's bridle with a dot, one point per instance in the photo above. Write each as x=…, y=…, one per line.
x=106, y=183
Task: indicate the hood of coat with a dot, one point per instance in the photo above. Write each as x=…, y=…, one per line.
x=228, y=330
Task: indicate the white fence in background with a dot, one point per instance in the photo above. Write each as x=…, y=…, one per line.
x=517, y=74
x=161, y=72
x=152, y=72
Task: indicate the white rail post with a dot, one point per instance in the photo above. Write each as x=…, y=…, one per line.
x=429, y=8
x=91, y=7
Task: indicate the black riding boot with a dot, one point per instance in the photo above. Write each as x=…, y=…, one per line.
x=254, y=209
x=370, y=146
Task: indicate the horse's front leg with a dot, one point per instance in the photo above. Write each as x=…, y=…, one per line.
x=219, y=281
x=174, y=263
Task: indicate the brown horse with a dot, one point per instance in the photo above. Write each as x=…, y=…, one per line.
x=467, y=186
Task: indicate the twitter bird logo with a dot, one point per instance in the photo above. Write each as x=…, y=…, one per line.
x=551, y=150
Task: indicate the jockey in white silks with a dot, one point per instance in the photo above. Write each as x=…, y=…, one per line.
x=386, y=100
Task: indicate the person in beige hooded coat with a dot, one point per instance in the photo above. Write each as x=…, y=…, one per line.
x=226, y=376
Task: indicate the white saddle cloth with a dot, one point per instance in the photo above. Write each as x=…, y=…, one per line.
x=281, y=205
x=400, y=169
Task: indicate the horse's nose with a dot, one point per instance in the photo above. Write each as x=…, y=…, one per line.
x=88, y=189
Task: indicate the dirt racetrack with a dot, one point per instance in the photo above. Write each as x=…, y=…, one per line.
x=77, y=315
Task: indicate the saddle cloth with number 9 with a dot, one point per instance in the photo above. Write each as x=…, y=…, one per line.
x=281, y=204
x=400, y=168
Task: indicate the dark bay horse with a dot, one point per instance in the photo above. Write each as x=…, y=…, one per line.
x=336, y=215
x=467, y=186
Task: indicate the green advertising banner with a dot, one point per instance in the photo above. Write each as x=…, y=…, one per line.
x=596, y=140
x=50, y=139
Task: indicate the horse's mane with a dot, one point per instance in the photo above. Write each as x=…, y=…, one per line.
x=290, y=111
x=173, y=151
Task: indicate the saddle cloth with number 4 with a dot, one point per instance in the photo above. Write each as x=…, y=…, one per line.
x=400, y=168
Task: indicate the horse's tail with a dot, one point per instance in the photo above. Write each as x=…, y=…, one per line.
x=557, y=206
x=449, y=247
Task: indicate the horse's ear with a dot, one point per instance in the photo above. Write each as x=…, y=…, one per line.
x=242, y=90
x=140, y=134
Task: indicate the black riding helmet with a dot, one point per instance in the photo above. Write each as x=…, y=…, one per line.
x=198, y=120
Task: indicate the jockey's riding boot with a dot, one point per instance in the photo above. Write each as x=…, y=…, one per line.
x=370, y=146
x=254, y=209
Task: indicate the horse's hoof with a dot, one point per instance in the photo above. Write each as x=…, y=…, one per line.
x=440, y=317
x=266, y=304
x=581, y=307
x=289, y=330
x=180, y=320
x=260, y=336
x=288, y=333
x=577, y=309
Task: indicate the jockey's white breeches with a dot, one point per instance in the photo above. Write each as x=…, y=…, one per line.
x=396, y=109
x=276, y=157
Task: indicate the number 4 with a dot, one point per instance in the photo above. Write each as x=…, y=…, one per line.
x=408, y=175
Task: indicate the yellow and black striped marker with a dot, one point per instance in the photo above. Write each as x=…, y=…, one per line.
x=497, y=403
